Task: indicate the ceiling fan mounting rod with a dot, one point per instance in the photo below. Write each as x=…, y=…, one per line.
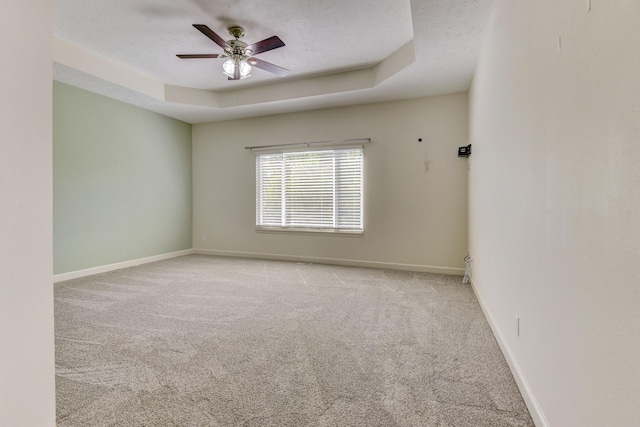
x=236, y=31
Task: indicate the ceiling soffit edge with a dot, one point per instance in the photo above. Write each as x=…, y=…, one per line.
x=78, y=58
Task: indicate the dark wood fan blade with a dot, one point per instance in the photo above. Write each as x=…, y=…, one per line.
x=213, y=36
x=267, y=66
x=265, y=45
x=201, y=55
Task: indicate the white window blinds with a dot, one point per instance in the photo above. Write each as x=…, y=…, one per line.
x=310, y=190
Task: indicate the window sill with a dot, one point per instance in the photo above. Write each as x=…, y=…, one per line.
x=310, y=231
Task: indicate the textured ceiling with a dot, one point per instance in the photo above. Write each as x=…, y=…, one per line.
x=339, y=52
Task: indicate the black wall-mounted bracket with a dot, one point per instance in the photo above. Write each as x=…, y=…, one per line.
x=464, y=151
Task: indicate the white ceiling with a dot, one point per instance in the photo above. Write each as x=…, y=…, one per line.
x=339, y=52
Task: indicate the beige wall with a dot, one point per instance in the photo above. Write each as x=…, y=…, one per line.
x=27, y=395
x=554, y=206
x=415, y=192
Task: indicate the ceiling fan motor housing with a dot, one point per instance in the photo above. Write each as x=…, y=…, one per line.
x=238, y=48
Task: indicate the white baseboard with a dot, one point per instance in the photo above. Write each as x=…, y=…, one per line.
x=335, y=261
x=117, y=266
x=528, y=396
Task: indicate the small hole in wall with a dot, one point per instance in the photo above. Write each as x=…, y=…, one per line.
x=419, y=139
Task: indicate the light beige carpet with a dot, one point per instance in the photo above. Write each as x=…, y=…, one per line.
x=211, y=341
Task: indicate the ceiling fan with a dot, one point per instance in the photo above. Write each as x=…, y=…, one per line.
x=238, y=66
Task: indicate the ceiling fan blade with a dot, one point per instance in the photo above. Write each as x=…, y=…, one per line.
x=201, y=55
x=265, y=45
x=267, y=66
x=213, y=36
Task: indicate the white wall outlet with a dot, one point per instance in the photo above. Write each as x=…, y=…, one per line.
x=204, y=237
x=517, y=326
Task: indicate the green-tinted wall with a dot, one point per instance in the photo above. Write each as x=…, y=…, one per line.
x=121, y=181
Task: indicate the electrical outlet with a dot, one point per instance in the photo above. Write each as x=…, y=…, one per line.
x=517, y=326
x=204, y=237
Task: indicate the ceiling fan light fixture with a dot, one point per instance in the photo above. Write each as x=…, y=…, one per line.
x=245, y=69
x=229, y=68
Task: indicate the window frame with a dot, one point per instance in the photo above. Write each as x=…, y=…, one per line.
x=296, y=229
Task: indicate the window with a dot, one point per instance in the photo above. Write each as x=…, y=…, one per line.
x=310, y=190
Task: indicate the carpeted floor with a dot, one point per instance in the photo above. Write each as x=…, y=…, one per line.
x=212, y=341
